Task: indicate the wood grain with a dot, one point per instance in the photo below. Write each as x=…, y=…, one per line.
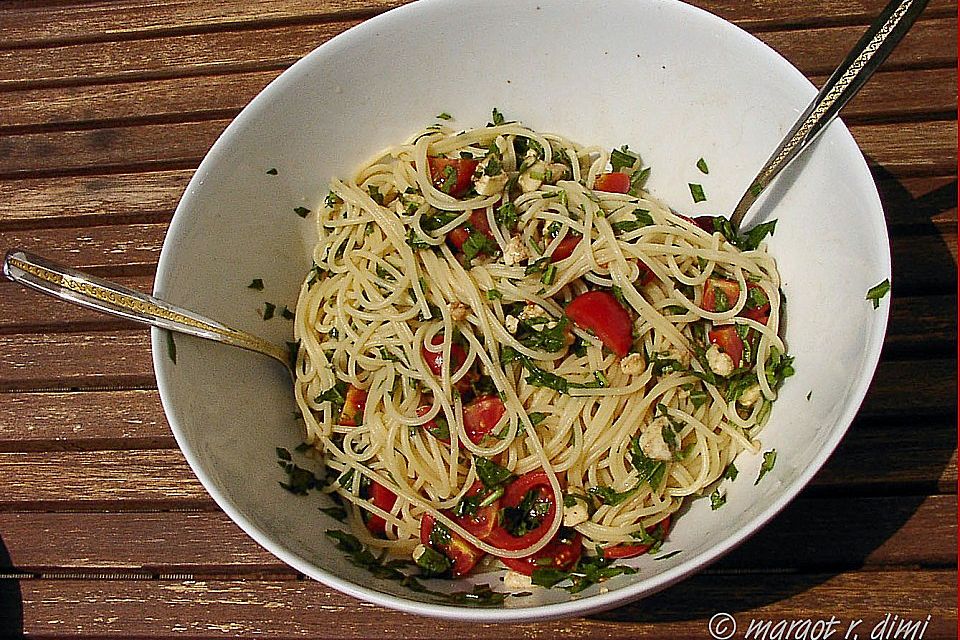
x=37, y=24
x=305, y=608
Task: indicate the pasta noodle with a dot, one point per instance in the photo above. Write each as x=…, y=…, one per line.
x=455, y=326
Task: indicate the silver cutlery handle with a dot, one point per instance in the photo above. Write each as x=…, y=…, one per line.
x=113, y=299
x=868, y=54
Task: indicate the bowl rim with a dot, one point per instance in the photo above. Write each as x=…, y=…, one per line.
x=582, y=606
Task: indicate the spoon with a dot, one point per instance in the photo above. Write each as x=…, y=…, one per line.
x=116, y=300
x=865, y=57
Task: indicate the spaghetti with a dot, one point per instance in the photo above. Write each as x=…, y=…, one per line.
x=507, y=347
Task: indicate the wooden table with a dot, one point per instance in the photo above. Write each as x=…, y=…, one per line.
x=106, y=108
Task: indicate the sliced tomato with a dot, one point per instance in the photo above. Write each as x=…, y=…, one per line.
x=482, y=415
x=728, y=289
x=646, y=273
x=482, y=522
x=560, y=553
x=463, y=554
x=352, y=413
x=706, y=223
x=601, y=313
x=729, y=341
x=762, y=313
x=622, y=551
x=383, y=498
x=565, y=248
x=443, y=435
x=478, y=222
x=434, y=360
x=617, y=182
x=512, y=497
x=452, y=175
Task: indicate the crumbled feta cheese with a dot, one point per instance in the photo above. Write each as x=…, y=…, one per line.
x=418, y=551
x=554, y=172
x=633, y=364
x=531, y=311
x=720, y=363
x=515, y=252
x=511, y=323
x=572, y=516
x=459, y=311
x=532, y=178
x=489, y=185
x=516, y=581
x=651, y=440
x=679, y=354
x=749, y=397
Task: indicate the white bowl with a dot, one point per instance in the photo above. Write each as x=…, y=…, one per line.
x=673, y=82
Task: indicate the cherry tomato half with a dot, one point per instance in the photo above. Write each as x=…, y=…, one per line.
x=621, y=551
x=560, y=553
x=482, y=415
x=729, y=341
x=452, y=175
x=478, y=222
x=481, y=522
x=717, y=290
x=617, y=182
x=601, y=313
x=434, y=360
x=463, y=554
x=512, y=497
x=383, y=498
x=352, y=413
x=565, y=248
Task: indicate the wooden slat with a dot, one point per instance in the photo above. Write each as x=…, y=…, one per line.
x=924, y=264
x=896, y=95
x=70, y=21
x=306, y=609
x=920, y=458
x=194, y=54
x=921, y=324
x=903, y=149
x=130, y=419
x=912, y=389
x=813, y=51
x=821, y=533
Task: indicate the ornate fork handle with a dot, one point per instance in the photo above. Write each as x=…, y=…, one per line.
x=113, y=299
x=868, y=54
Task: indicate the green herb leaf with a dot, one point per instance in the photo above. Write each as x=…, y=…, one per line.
x=731, y=472
x=256, y=284
x=490, y=473
x=268, y=310
x=301, y=211
x=494, y=294
x=702, y=166
x=272, y=171
x=650, y=470
x=877, y=292
x=171, y=346
x=752, y=239
x=696, y=191
x=769, y=459
x=433, y=563
x=497, y=117
x=478, y=243
x=717, y=499
x=609, y=496
x=623, y=158
x=444, y=116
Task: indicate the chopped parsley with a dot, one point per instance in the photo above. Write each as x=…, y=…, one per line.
x=877, y=292
x=497, y=117
x=268, y=310
x=256, y=284
x=702, y=166
x=623, y=158
x=494, y=294
x=272, y=171
x=171, y=346
x=589, y=570
x=301, y=211
x=286, y=313
x=717, y=499
x=769, y=459
x=491, y=474
x=752, y=239
x=444, y=116
x=731, y=472
x=696, y=191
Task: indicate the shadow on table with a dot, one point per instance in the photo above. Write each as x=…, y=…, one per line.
x=11, y=600
x=823, y=534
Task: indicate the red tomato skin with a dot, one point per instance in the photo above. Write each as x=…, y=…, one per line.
x=464, y=168
x=354, y=403
x=646, y=273
x=705, y=222
x=434, y=360
x=730, y=288
x=482, y=522
x=563, y=554
x=565, y=248
x=482, y=415
x=601, y=313
x=760, y=314
x=463, y=554
x=512, y=496
x=430, y=426
x=729, y=341
x=478, y=222
x=381, y=497
x=623, y=551
x=616, y=182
